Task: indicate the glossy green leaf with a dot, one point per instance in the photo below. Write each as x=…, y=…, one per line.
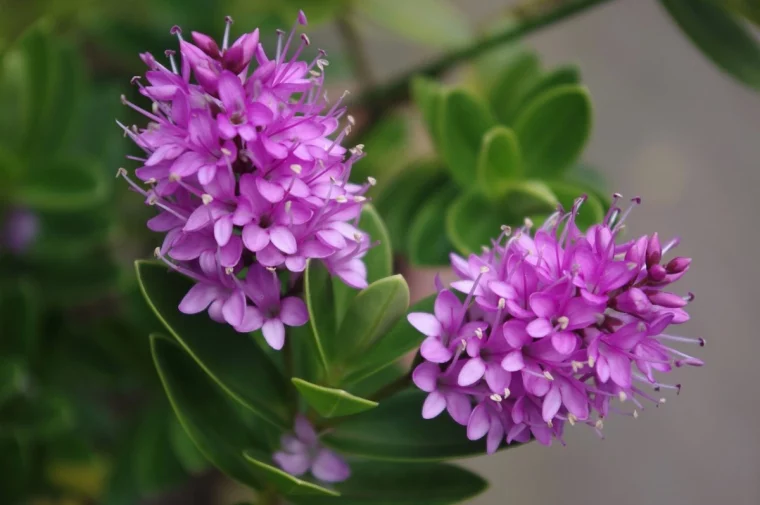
x=329, y=402
x=320, y=302
x=63, y=185
x=379, y=259
x=392, y=346
x=371, y=384
x=428, y=243
x=443, y=25
x=192, y=460
x=380, y=483
x=473, y=221
x=371, y=313
x=553, y=130
x=396, y=431
x=155, y=461
x=218, y=426
x=463, y=122
x=720, y=36
x=591, y=212
x=404, y=196
x=560, y=76
x=284, y=482
x=499, y=161
x=231, y=359
x=749, y=9
x=515, y=79
x=428, y=96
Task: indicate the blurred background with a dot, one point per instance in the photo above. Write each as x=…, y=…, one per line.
x=83, y=419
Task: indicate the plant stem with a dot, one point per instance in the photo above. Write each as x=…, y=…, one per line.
x=383, y=97
x=354, y=48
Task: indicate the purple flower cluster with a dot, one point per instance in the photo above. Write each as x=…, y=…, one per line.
x=550, y=328
x=247, y=176
x=301, y=452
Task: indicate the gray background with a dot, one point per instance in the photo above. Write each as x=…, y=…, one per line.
x=669, y=126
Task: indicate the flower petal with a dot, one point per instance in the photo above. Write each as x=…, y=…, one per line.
x=552, y=403
x=329, y=467
x=293, y=311
x=539, y=328
x=433, y=405
x=425, y=323
x=199, y=298
x=274, y=333
x=471, y=372
x=433, y=350
x=425, y=376
x=283, y=239
x=459, y=407
x=233, y=309
x=294, y=464
x=478, y=423
x=513, y=361
x=447, y=307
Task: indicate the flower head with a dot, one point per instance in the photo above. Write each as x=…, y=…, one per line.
x=554, y=326
x=301, y=452
x=243, y=162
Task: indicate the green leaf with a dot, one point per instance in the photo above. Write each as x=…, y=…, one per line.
x=428, y=95
x=329, y=402
x=284, y=482
x=19, y=319
x=517, y=77
x=376, y=483
x=473, y=221
x=188, y=455
x=371, y=313
x=443, y=26
x=218, y=426
x=16, y=468
x=63, y=185
x=156, y=465
x=499, y=160
x=428, y=243
x=561, y=76
x=320, y=302
x=720, y=36
x=591, y=212
x=233, y=360
x=553, y=130
x=392, y=346
x=379, y=259
x=404, y=196
x=463, y=122
x=396, y=431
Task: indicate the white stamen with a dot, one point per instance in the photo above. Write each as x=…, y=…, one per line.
x=229, y=270
x=503, y=303
x=359, y=199
x=296, y=168
x=506, y=229
x=591, y=361
x=563, y=321
x=479, y=333
x=528, y=223
x=271, y=269
x=226, y=151
x=635, y=414
x=550, y=424
x=599, y=424
x=341, y=199
x=507, y=392
x=663, y=400
x=206, y=198
x=175, y=177
x=484, y=269
x=548, y=375
x=121, y=172
x=372, y=181
x=571, y=418
x=496, y=397
x=157, y=252
x=623, y=397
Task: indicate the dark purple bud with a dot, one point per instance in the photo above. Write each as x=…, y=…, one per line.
x=664, y=299
x=234, y=59
x=206, y=44
x=657, y=273
x=678, y=265
x=654, y=250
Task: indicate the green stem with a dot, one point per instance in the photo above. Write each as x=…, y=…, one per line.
x=383, y=97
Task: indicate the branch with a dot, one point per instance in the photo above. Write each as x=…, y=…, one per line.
x=384, y=97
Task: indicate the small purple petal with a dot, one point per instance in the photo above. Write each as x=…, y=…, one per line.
x=434, y=404
x=425, y=323
x=329, y=467
x=293, y=311
x=274, y=333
